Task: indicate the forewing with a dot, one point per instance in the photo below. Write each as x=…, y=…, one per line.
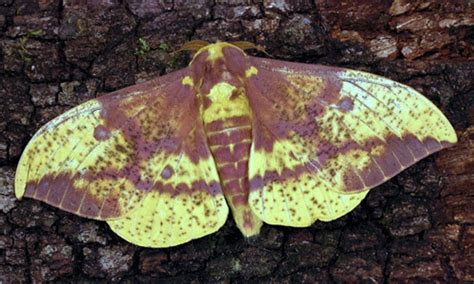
x=126, y=156
x=324, y=136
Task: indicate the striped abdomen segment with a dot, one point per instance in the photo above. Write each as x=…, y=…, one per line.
x=230, y=140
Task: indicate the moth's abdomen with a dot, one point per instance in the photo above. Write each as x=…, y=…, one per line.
x=230, y=141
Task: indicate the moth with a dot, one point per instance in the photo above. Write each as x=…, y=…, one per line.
x=276, y=142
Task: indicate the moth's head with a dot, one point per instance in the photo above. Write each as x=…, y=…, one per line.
x=220, y=50
x=218, y=62
x=215, y=50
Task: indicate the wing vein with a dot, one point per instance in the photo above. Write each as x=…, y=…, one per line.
x=367, y=152
x=395, y=131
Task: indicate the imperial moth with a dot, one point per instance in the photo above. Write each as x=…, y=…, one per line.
x=278, y=142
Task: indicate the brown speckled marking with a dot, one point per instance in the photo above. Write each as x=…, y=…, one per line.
x=147, y=131
x=397, y=156
x=280, y=106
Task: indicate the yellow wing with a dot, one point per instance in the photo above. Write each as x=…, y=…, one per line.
x=322, y=137
x=137, y=158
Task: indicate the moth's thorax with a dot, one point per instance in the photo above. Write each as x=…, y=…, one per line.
x=218, y=75
x=218, y=63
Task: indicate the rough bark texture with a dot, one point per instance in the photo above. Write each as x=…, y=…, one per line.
x=418, y=226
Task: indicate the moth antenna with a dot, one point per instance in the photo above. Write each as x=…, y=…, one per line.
x=193, y=45
x=244, y=45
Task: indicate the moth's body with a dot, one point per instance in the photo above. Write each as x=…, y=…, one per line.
x=277, y=142
x=227, y=119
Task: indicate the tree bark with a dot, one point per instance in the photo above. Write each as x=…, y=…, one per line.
x=417, y=226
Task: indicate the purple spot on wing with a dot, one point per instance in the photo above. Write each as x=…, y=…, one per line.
x=101, y=133
x=345, y=104
x=167, y=172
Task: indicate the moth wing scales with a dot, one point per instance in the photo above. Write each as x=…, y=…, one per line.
x=344, y=132
x=102, y=160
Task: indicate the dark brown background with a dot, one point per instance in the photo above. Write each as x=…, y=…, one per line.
x=418, y=226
